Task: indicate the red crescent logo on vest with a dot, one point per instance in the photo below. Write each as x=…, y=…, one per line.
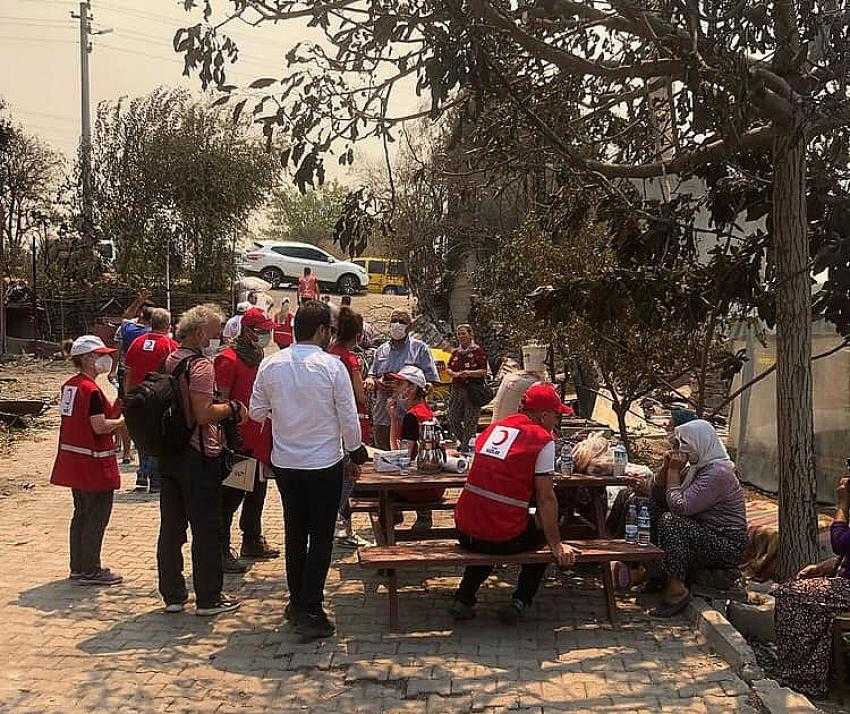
x=504, y=437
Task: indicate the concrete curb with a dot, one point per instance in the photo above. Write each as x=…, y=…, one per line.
x=728, y=643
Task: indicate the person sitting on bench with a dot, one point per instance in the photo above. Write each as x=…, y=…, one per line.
x=409, y=392
x=513, y=466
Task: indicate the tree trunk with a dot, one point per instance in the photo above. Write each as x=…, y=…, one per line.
x=794, y=415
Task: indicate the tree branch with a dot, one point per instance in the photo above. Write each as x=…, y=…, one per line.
x=573, y=64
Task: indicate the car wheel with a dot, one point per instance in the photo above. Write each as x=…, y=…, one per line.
x=348, y=284
x=391, y=290
x=272, y=275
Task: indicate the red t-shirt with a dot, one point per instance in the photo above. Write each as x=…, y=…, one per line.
x=467, y=360
x=352, y=364
x=147, y=354
x=308, y=287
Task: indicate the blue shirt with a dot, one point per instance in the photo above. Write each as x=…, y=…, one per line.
x=391, y=358
x=127, y=333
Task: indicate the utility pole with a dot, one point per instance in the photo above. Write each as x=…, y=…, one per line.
x=85, y=113
x=85, y=109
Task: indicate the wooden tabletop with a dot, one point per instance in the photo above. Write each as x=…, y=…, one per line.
x=371, y=479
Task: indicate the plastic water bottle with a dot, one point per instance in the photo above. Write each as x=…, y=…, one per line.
x=621, y=459
x=632, y=525
x=567, y=459
x=643, y=526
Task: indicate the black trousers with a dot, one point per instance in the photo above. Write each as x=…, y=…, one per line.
x=88, y=524
x=250, y=522
x=191, y=497
x=310, y=504
x=530, y=576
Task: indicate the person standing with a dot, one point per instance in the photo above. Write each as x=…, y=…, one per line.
x=191, y=483
x=231, y=327
x=514, y=465
x=147, y=354
x=283, y=325
x=125, y=335
x=467, y=367
x=308, y=287
x=316, y=442
x=235, y=371
x=85, y=460
x=349, y=331
x=390, y=357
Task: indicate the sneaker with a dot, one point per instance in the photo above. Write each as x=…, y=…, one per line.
x=461, y=611
x=104, y=576
x=231, y=564
x=140, y=487
x=224, y=604
x=175, y=607
x=511, y=614
x=343, y=529
x=314, y=626
x=259, y=550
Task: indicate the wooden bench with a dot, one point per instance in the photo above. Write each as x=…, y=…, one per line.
x=449, y=554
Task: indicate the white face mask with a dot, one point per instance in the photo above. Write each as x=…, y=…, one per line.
x=263, y=339
x=103, y=364
x=398, y=330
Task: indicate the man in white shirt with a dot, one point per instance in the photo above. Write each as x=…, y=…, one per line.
x=316, y=442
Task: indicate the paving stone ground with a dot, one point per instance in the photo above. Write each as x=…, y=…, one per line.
x=67, y=648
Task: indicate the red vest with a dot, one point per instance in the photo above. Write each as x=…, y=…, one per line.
x=232, y=372
x=494, y=503
x=283, y=332
x=85, y=460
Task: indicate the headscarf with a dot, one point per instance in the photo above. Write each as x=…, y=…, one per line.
x=682, y=416
x=701, y=439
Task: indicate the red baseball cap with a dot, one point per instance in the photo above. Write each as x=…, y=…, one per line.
x=256, y=319
x=542, y=397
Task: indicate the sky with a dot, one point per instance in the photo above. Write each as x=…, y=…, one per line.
x=40, y=60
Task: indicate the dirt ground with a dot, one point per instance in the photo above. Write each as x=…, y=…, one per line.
x=22, y=450
x=374, y=307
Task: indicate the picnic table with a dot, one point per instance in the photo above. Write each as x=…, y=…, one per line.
x=389, y=489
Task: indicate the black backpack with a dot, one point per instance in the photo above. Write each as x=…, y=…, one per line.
x=154, y=414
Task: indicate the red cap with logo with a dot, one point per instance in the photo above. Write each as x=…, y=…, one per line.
x=542, y=397
x=256, y=319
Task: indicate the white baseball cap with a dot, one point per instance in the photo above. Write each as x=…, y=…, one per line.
x=412, y=374
x=243, y=307
x=90, y=343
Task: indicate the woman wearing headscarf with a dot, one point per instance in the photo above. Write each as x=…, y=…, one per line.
x=706, y=526
x=807, y=605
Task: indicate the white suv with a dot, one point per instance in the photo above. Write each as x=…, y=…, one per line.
x=279, y=262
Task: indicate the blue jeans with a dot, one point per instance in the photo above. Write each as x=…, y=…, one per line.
x=148, y=471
